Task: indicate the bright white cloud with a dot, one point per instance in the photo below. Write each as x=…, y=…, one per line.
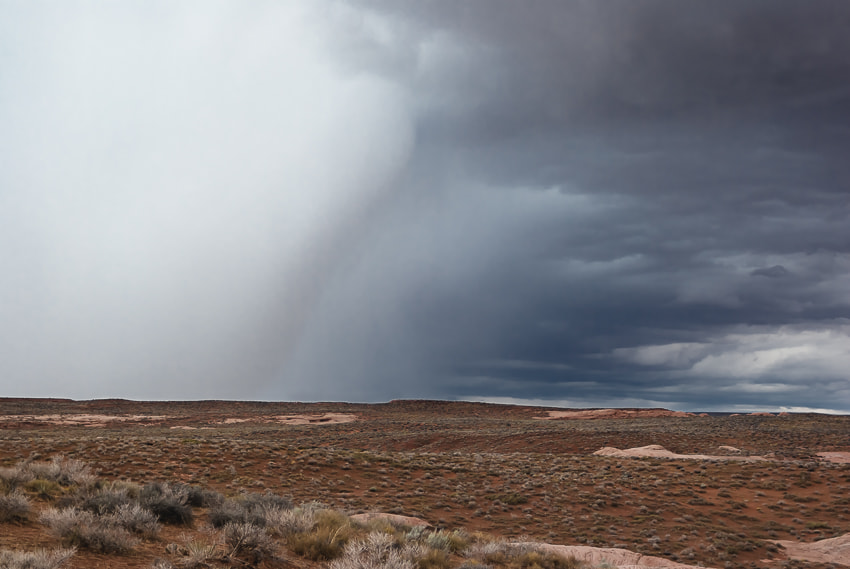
x=788, y=352
x=176, y=180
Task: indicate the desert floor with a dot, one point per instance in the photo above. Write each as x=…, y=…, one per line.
x=517, y=472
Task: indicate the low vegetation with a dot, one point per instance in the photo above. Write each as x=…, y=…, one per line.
x=243, y=494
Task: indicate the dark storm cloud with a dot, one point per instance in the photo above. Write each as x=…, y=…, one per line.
x=695, y=147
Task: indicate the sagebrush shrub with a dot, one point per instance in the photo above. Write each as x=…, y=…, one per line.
x=168, y=503
x=14, y=507
x=59, y=470
x=378, y=550
x=106, y=500
x=135, y=519
x=39, y=559
x=200, y=497
x=84, y=529
x=249, y=542
x=264, y=510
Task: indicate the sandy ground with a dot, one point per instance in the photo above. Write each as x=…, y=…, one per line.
x=658, y=451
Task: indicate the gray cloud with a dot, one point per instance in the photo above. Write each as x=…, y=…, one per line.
x=578, y=202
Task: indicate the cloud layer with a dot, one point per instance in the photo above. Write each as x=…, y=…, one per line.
x=622, y=203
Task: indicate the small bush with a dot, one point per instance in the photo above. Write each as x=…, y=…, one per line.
x=168, y=503
x=40, y=559
x=63, y=471
x=433, y=559
x=451, y=542
x=60, y=470
x=289, y=522
x=199, y=554
x=248, y=542
x=264, y=510
x=106, y=500
x=331, y=531
x=200, y=497
x=12, y=478
x=43, y=489
x=86, y=530
x=14, y=507
x=135, y=519
x=376, y=551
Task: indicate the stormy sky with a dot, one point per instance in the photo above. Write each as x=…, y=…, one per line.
x=565, y=202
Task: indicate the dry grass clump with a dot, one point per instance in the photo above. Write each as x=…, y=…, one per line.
x=40, y=559
x=327, y=537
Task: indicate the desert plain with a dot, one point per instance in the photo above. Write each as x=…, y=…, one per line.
x=699, y=490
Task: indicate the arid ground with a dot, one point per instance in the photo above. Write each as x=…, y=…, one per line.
x=523, y=473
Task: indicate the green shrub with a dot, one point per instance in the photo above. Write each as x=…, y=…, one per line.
x=43, y=489
x=331, y=531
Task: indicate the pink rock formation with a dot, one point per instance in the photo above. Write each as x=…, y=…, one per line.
x=836, y=457
x=832, y=550
x=658, y=451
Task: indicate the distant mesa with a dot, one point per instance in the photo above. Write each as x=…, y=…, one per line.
x=615, y=414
